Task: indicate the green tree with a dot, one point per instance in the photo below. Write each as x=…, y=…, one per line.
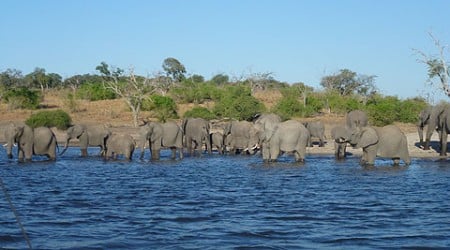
x=220, y=79
x=347, y=82
x=163, y=107
x=237, y=102
x=174, y=69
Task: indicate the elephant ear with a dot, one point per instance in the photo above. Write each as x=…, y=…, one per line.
x=368, y=137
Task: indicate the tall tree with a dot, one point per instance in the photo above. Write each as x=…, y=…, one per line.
x=347, y=82
x=11, y=78
x=437, y=66
x=174, y=69
x=133, y=89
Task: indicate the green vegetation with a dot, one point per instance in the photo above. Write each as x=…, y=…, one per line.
x=95, y=92
x=56, y=118
x=238, y=103
x=22, y=98
x=200, y=112
x=234, y=97
x=163, y=107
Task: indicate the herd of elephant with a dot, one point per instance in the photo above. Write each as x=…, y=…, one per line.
x=267, y=133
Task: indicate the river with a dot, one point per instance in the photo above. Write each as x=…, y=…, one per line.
x=224, y=202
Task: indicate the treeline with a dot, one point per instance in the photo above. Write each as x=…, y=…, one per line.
x=228, y=97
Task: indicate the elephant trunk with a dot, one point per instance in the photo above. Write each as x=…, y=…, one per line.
x=9, y=146
x=66, y=146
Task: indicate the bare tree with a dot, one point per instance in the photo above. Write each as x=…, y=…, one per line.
x=437, y=66
x=133, y=89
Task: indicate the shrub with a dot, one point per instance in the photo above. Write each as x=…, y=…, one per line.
x=195, y=92
x=22, y=98
x=163, y=107
x=95, y=92
x=387, y=110
x=238, y=103
x=200, y=112
x=341, y=104
x=56, y=118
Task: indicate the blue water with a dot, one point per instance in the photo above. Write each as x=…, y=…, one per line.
x=224, y=202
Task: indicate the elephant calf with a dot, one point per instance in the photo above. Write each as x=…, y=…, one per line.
x=120, y=145
x=316, y=129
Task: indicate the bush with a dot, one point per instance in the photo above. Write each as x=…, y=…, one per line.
x=200, y=112
x=341, y=104
x=56, y=118
x=387, y=110
x=195, y=92
x=95, y=92
x=163, y=107
x=23, y=98
x=237, y=102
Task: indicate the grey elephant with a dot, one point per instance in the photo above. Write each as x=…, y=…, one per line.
x=340, y=134
x=266, y=124
x=196, y=133
x=161, y=135
x=242, y=136
x=88, y=135
x=30, y=141
x=388, y=141
x=120, y=144
x=316, y=129
x=439, y=120
x=424, y=118
x=218, y=141
x=289, y=137
x=356, y=119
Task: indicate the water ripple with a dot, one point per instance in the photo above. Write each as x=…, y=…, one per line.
x=225, y=202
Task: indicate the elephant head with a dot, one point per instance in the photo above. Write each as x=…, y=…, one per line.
x=424, y=118
x=73, y=132
x=340, y=135
x=12, y=134
x=150, y=132
x=363, y=137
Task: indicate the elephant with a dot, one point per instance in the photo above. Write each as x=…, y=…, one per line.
x=356, y=119
x=30, y=141
x=316, y=129
x=241, y=135
x=218, y=141
x=340, y=134
x=424, y=118
x=159, y=135
x=388, y=141
x=288, y=136
x=266, y=124
x=120, y=144
x=196, y=132
x=439, y=120
x=88, y=135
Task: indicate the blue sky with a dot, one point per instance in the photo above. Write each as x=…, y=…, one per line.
x=298, y=41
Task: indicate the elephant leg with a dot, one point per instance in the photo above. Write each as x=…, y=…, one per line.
x=443, y=144
x=83, y=152
x=396, y=161
x=155, y=154
x=426, y=146
x=321, y=142
x=181, y=153
x=174, y=152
